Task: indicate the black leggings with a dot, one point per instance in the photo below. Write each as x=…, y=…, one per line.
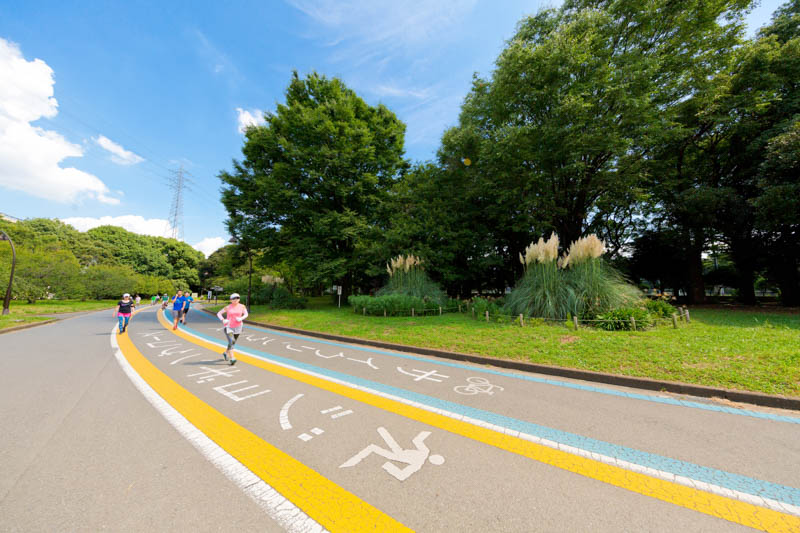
x=232, y=338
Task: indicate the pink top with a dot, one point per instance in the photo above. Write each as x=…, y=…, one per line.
x=236, y=313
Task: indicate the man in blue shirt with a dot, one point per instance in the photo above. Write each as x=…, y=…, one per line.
x=189, y=300
x=178, y=307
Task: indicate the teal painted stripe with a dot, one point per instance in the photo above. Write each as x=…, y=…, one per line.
x=757, y=487
x=555, y=382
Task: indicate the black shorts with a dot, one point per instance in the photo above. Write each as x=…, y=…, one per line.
x=177, y=313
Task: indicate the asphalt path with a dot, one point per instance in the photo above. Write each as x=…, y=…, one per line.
x=330, y=435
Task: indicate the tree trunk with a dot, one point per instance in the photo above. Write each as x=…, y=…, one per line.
x=697, y=288
x=789, y=283
x=744, y=252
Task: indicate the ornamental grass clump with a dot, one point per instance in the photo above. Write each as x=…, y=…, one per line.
x=596, y=287
x=407, y=276
x=579, y=283
x=542, y=292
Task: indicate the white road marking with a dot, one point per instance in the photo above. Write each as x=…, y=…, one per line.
x=289, y=347
x=284, y=414
x=343, y=413
x=283, y=511
x=477, y=385
x=368, y=362
x=232, y=394
x=421, y=374
x=162, y=344
x=182, y=358
x=340, y=354
x=332, y=409
x=413, y=458
x=210, y=374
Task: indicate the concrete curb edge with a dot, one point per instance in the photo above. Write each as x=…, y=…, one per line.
x=28, y=326
x=755, y=398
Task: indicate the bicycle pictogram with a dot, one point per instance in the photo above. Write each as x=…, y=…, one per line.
x=477, y=385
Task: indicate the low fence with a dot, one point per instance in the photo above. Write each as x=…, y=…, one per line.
x=677, y=319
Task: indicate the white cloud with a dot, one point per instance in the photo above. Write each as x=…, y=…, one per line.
x=119, y=155
x=253, y=117
x=157, y=227
x=209, y=245
x=30, y=156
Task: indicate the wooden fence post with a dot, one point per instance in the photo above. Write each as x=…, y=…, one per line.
x=364, y=310
x=521, y=321
x=674, y=321
x=688, y=319
x=384, y=313
x=440, y=310
x=633, y=323
x=459, y=308
x=412, y=311
x=473, y=313
x=487, y=316
x=575, y=322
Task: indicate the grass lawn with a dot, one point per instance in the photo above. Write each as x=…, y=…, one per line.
x=736, y=349
x=25, y=313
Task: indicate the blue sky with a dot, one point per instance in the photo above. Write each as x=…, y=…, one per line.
x=101, y=101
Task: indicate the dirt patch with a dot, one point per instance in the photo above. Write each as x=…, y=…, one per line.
x=568, y=339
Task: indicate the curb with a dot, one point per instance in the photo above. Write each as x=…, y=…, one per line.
x=28, y=326
x=755, y=398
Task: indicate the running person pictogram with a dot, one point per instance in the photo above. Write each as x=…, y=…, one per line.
x=233, y=322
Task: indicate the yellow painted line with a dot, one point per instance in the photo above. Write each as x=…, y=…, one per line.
x=324, y=501
x=712, y=504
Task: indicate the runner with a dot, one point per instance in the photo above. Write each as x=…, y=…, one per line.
x=123, y=311
x=137, y=300
x=178, y=306
x=164, y=301
x=153, y=299
x=236, y=313
x=189, y=299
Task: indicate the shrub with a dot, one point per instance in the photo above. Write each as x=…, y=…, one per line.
x=620, y=319
x=272, y=295
x=392, y=304
x=660, y=308
x=481, y=305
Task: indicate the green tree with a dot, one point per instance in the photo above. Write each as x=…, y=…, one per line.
x=104, y=281
x=310, y=189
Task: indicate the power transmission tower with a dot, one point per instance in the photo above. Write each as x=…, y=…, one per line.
x=178, y=183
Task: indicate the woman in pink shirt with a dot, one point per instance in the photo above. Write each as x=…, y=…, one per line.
x=236, y=313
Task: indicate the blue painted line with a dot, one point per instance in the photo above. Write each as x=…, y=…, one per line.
x=555, y=382
x=729, y=480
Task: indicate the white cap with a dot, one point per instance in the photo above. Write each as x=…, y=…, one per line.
x=234, y=295
x=126, y=295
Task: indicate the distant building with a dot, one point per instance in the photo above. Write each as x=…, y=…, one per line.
x=8, y=218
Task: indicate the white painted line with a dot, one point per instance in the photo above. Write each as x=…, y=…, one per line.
x=332, y=409
x=284, y=512
x=182, y=358
x=343, y=413
x=317, y=431
x=284, y=414
x=305, y=437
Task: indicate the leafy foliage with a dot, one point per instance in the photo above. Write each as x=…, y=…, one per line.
x=660, y=308
x=620, y=319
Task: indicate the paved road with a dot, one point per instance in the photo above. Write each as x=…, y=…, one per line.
x=153, y=430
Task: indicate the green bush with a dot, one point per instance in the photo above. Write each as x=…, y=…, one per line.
x=620, y=319
x=660, y=308
x=392, y=304
x=481, y=305
x=272, y=295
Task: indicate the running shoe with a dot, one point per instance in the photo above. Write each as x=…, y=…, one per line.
x=124, y=329
x=233, y=362
x=225, y=355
